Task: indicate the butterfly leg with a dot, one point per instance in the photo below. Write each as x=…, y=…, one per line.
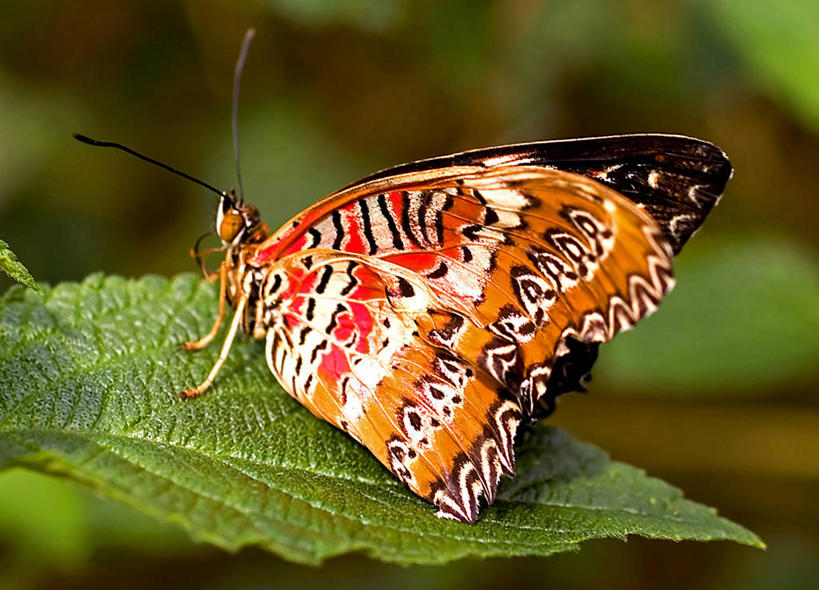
x=234, y=326
x=207, y=338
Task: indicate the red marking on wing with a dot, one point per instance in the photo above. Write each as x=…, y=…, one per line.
x=335, y=363
x=417, y=261
x=355, y=243
x=363, y=321
x=345, y=328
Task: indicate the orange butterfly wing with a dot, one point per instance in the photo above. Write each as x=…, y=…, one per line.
x=430, y=313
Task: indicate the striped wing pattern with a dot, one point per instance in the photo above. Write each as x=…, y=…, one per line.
x=429, y=314
x=677, y=179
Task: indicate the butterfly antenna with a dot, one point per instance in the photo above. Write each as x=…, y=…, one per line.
x=234, y=119
x=128, y=150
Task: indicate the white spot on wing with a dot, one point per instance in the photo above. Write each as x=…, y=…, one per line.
x=505, y=198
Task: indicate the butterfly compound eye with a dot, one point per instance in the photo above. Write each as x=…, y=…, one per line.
x=230, y=224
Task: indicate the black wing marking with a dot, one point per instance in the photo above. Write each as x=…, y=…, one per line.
x=677, y=179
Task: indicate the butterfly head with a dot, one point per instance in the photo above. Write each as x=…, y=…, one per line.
x=237, y=223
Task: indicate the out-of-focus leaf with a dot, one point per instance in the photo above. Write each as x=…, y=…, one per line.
x=49, y=525
x=779, y=42
x=42, y=519
x=35, y=123
x=743, y=316
x=55, y=523
x=15, y=269
x=287, y=163
x=367, y=14
x=89, y=377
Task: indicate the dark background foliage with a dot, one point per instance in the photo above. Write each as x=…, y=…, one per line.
x=717, y=393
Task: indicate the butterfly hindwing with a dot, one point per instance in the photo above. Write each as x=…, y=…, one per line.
x=349, y=348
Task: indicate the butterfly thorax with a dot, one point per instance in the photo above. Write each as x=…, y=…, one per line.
x=242, y=231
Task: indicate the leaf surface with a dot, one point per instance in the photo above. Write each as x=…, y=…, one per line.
x=89, y=376
x=15, y=269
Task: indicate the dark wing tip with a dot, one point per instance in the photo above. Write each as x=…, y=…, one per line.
x=677, y=179
x=684, y=183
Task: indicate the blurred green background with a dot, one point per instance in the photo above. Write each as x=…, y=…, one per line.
x=716, y=393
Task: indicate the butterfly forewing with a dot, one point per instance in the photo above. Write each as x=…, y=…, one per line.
x=677, y=179
x=426, y=313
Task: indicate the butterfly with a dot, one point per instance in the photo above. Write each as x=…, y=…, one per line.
x=435, y=309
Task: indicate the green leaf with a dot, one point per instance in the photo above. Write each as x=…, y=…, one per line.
x=14, y=268
x=89, y=377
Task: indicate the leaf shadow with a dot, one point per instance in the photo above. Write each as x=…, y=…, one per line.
x=550, y=458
